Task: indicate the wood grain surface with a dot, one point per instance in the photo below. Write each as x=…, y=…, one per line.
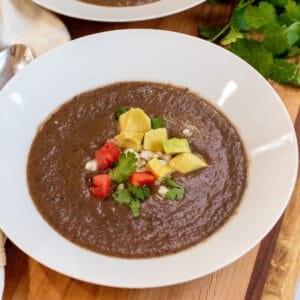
x=258, y=274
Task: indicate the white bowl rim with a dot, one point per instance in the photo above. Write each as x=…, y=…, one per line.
x=174, y=37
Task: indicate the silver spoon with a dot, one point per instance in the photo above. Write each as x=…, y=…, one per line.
x=12, y=60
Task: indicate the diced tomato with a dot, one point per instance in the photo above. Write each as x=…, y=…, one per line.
x=142, y=178
x=101, y=186
x=106, y=155
x=102, y=163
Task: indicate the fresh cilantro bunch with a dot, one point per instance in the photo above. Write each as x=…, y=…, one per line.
x=266, y=34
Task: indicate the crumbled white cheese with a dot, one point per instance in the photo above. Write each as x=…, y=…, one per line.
x=186, y=132
x=166, y=157
x=163, y=162
x=158, y=155
x=162, y=190
x=91, y=165
x=121, y=186
x=147, y=155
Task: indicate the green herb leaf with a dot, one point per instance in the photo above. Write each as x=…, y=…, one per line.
x=135, y=206
x=278, y=3
x=295, y=51
x=238, y=19
x=265, y=33
x=132, y=196
x=232, y=37
x=171, y=183
x=139, y=192
x=255, y=54
x=209, y=32
x=285, y=72
x=157, y=122
x=277, y=41
x=120, y=111
x=126, y=165
x=293, y=10
x=262, y=17
x=122, y=196
x=176, y=192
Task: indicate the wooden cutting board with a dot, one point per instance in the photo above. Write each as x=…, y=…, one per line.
x=268, y=271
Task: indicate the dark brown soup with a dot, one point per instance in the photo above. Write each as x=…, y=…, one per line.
x=59, y=183
x=119, y=2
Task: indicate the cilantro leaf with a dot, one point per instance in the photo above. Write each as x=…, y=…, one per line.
x=277, y=41
x=126, y=164
x=293, y=33
x=264, y=33
x=238, y=20
x=232, y=36
x=255, y=54
x=157, y=122
x=294, y=51
x=122, y=196
x=171, y=183
x=285, y=72
x=209, y=32
x=132, y=196
x=135, y=206
x=261, y=17
x=278, y=3
x=293, y=10
x=176, y=192
x=120, y=111
x=139, y=192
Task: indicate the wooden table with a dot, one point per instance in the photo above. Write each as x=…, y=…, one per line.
x=268, y=271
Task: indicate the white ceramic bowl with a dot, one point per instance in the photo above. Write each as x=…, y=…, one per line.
x=216, y=74
x=81, y=10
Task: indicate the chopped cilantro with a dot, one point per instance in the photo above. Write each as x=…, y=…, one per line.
x=126, y=165
x=120, y=111
x=122, y=196
x=139, y=192
x=135, y=206
x=264, y=33
x=132, y=196
x=157, y=122
x=176, y=192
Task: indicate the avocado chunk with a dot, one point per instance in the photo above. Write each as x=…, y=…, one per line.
x=131, y=140
x=134, y=120
x=187, y=162
x=153, y=140
x=158, y=169
x=175, y=145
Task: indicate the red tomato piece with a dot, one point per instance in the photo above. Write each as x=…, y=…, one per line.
x=142, y=178
x=101, y=186
x=106, y=155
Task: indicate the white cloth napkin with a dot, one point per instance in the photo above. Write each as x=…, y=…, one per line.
x=23, y=22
